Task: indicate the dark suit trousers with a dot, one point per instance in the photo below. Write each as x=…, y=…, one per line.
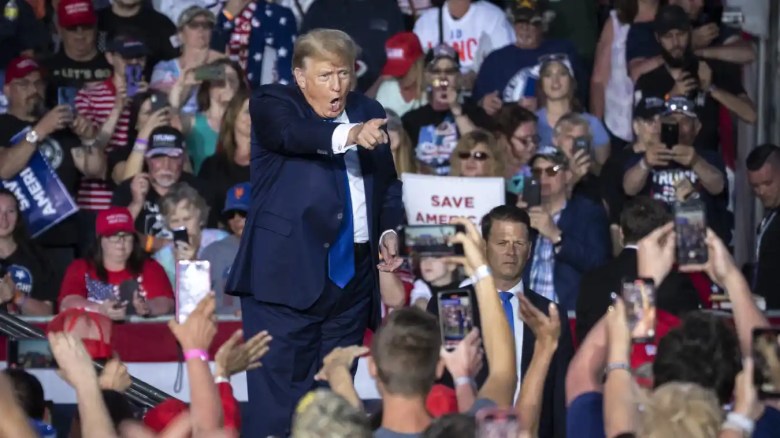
x=301, y=339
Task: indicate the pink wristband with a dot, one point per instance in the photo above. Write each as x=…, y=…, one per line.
x=196, y=354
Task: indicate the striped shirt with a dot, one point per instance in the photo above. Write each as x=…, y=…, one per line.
x=95, y=102
x=93, y=195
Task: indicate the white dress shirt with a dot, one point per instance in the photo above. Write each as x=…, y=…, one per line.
x=357, y=190
x=519, y=327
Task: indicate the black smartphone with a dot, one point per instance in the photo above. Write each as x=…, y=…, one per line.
x=766, y=362
x=690, y=225
x=532, y=192
x=639, y=299
x=181, y=235
x=127, y=291
x=30, y=353
x=430, y=240
x=670, y=134
x=581, y=144
x=159, y=101
x=456, y=316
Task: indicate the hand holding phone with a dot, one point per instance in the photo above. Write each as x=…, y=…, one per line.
x=670, y=134
x=532, y=192
x=429, y=240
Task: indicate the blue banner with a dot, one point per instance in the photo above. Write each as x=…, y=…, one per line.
x=43, y=199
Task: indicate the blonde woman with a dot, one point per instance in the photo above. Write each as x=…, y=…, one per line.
x=400, y=145
x=477, y=154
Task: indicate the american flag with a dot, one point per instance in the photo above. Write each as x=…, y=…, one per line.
x=99, y=291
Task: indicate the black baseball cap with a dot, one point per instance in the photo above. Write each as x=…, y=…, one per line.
x=551, y=154
x=671, y=17
x=527, y=11
x=127, y=47
x=648, y=107
x=165, y=140
x=442, y=51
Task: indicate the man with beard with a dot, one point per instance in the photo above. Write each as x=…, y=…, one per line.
x=27, y=129
x=708, y=83
x=142, y=193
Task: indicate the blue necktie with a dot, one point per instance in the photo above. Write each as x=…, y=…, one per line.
x=341, y=254
x=505, y=297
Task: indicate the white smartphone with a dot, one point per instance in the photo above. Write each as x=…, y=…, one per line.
x=193, y=283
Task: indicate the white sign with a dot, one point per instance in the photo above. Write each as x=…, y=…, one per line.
x=432, y=199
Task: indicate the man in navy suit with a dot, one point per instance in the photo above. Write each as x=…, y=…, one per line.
x=325, y=199
x=508, y=243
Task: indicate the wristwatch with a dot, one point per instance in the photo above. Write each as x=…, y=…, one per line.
x=32, y=137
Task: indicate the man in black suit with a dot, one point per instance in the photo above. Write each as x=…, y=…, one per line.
x=676, y=294
x=506, y=230
x=763, y=166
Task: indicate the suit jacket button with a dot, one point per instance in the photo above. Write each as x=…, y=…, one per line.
x=327, y=245
x=339, y=216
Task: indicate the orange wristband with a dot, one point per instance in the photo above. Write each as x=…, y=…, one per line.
x=228, y=15
x=149, y=243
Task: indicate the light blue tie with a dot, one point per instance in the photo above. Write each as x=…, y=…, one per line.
x=341, y=254
x=505, y=297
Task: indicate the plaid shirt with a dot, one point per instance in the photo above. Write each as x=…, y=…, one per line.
x=543, y=265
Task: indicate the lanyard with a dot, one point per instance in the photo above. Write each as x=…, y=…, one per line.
x=762, y=229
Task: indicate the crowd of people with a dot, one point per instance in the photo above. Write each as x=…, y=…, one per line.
x=140, y=111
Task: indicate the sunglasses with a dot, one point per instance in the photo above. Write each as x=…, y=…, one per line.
x=235, y=213
x=479, y=156
x=205, y=25
x=549, y=171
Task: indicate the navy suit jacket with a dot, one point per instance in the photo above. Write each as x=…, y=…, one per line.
x=298, y=197
x=585, y=246
x=552, y=421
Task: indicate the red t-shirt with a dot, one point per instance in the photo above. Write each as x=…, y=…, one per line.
x=82, y=280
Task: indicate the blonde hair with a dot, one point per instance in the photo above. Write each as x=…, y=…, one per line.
x=404, y=157
x=468, y=142
x=325, y=44
x=569, y=121
x=322, y=413
x=679, y=409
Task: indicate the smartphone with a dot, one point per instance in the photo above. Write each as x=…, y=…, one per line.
x=430, y=240
x=193, y=283
x=210, y=72
x=690, y=225
x=639, y=299
x=766, y=362
x=456, y=316
x=497, y=423
x=732, y=17
x=67, y=96
x=181, y=235
x=670, y=134
x=581, y=143
x=159, y=101
x=532, y=192
x=133, y=75
x=127, y=290
x=530, y=87
x=30, y=353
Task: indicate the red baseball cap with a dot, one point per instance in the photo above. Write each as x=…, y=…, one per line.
x=403, y=49
x=94, y=329
x=115, y=220
x=20, y=67
x=71, y=13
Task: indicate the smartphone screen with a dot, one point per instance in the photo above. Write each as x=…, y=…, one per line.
x=639, y=299
x=581, y=143
x=766, y=362
x=430, y=240
x=193, y=283
x=456, y=317
x=67, y=96
x=670, y=134
x=30, y=353
x=210, y=73
x=530, y=87
x=132, y=77
x=690, y=225
x=181, y=235
x=497, y=423
x=532, y=192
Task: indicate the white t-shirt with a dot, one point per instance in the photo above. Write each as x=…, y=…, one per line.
x=484, y=28
x=389, y=95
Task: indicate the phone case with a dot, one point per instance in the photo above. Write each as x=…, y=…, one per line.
x=639, y=299
x=193, y=283
x=532, y=192
x=429, y=240
x=670, y=134
x=690, y=224
x=456, y=316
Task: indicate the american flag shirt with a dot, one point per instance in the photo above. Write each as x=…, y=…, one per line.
x=99, y=291
x=543, y=265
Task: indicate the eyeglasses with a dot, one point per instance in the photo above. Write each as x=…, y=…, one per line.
x=477, y=155
x=529, y=140
x=80, y=28
x=119, y=238
x=549, y=171
x=205, y=25
x=443, y=71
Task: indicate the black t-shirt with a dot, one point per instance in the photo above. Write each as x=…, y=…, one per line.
x=30, y=275
x=56, y=148
x=658, y=83
x=154, y=28
x=19, y=32
x=222, y=174
x=150, y=221
x=65, y=76
x=434, y=134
